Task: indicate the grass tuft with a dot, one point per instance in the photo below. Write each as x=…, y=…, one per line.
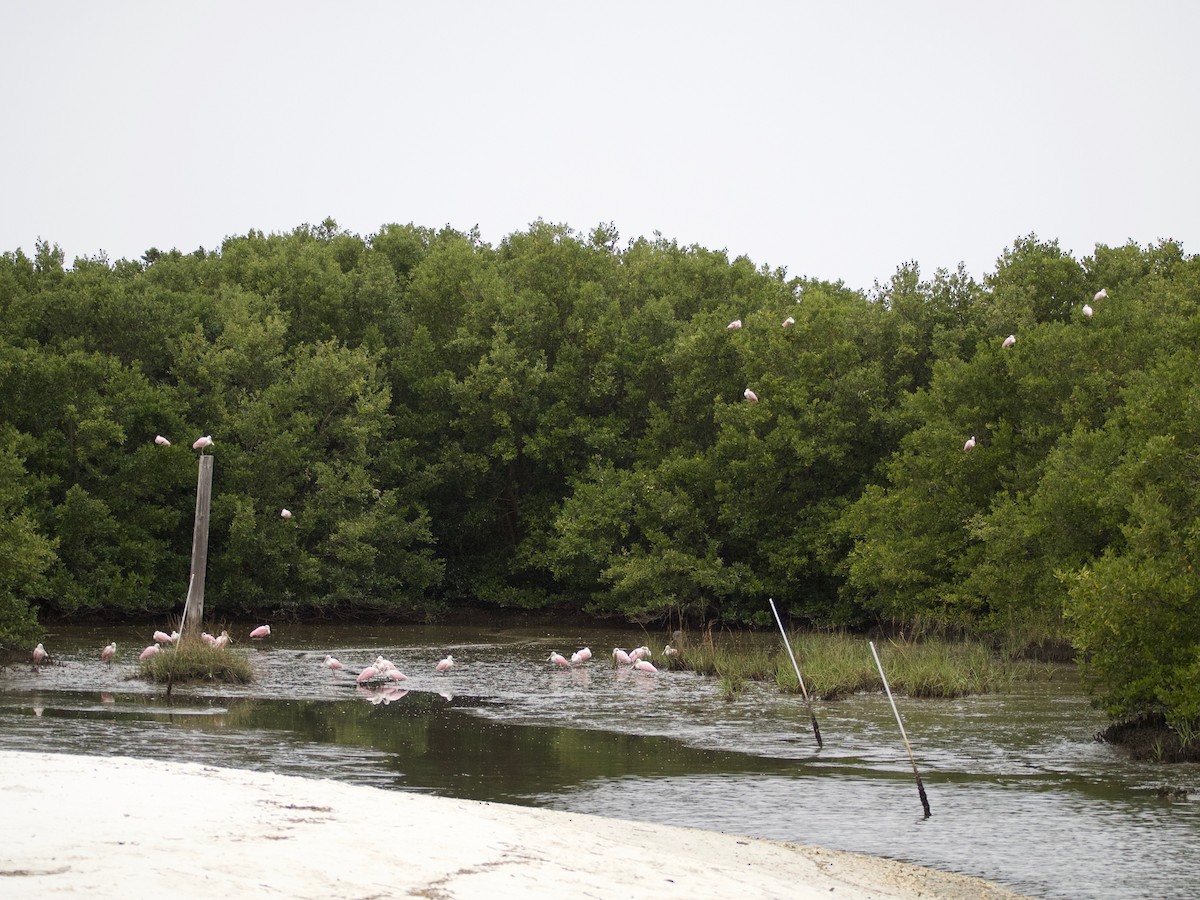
x=196, y=661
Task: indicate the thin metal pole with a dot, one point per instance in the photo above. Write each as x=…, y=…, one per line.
x=799, y=677
x=907, y=746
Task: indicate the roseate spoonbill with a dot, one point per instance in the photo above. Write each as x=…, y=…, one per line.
x=333, y=663
x=367, y=674
x=1087, y=311
x=644, y=666
x=1101, y=294
x=750, y=396
x=621, y=656
x=734, y=325
x=640, y=653
x=396, y=675
x=202, y=442
x=558, y=659
x=285, y=514
x=585, y=653
x=789, y=322
x=969, y=445
x=161, y=441
x=261, y=631
x=446, y=664
x=1009, y=341
x=39, y=655
x=576, y=659
x=150, y=651
x=221, y=640
x=107, y=654
x=207, y=638
x=670, y=651
x=161, y=637
x=384, y=665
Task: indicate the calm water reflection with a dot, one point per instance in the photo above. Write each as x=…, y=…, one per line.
x=1020, y=791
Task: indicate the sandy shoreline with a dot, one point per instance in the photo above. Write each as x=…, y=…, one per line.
x=120, y=827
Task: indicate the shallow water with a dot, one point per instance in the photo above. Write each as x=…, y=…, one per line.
x=1020, y=791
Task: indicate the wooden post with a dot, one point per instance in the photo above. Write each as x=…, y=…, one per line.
x=194, y=610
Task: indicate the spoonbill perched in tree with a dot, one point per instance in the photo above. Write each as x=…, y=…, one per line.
x=789, y=322
x=39, y=655
x=446, y=664
x=285, y=513
x=1087, y=310
x=107, y=654
x=1101, y=294
x=750, y=396
x=161, y=441
x=1009, y=341
x=261, y=631
x=202, y=442
x=734, y=325
x=558, y=659
x=969, y=445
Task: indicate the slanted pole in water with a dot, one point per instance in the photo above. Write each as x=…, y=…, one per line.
x=799, y=677
x=194, y=610
x=916, y=774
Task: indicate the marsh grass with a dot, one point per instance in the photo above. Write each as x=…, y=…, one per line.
x=836, y=665
x=196, y=661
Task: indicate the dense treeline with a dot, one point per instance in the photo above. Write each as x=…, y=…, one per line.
x=559, y=422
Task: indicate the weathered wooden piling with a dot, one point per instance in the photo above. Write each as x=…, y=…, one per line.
x=194, y=609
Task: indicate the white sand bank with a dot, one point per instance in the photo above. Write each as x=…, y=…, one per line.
x=118, y=827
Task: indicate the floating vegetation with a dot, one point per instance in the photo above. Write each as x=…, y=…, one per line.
x=196, y=661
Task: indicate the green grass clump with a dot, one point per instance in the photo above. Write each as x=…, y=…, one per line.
x=196, y=661
x=836, y=665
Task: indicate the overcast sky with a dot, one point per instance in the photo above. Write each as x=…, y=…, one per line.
x=837, y=140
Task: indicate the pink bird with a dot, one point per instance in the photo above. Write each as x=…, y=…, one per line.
x=734, y=325
x=162, y=637
x=221, y=640
x=585, y=654
x=750, y=396
x=789, y=322
x=161, y=441
x=644, y=666
x=367, y=674
x=1009, y=341
x=261, y=631
x=207, y=638
x=285, y=514
x=621, y=656
x=446, y=664
x=39, y=655
x=1087, y=311
x=203, y=442
x=396, y=675
x=150, y=651
x=969, y=445
x=640, y=653
x=107, y=654
x=1101, y=294
x=558, y=659
x=333, y=663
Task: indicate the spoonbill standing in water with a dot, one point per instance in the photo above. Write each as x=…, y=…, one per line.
x=261, y=631
x=446, y=664
x=558, y=659
x=621, y=656
x=150, y=651
x=643, y=665
x=333, y=663
x=107, y=654
x=367, y=674
x=39, y=655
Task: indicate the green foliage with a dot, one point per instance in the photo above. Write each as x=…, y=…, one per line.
x=559, y=421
